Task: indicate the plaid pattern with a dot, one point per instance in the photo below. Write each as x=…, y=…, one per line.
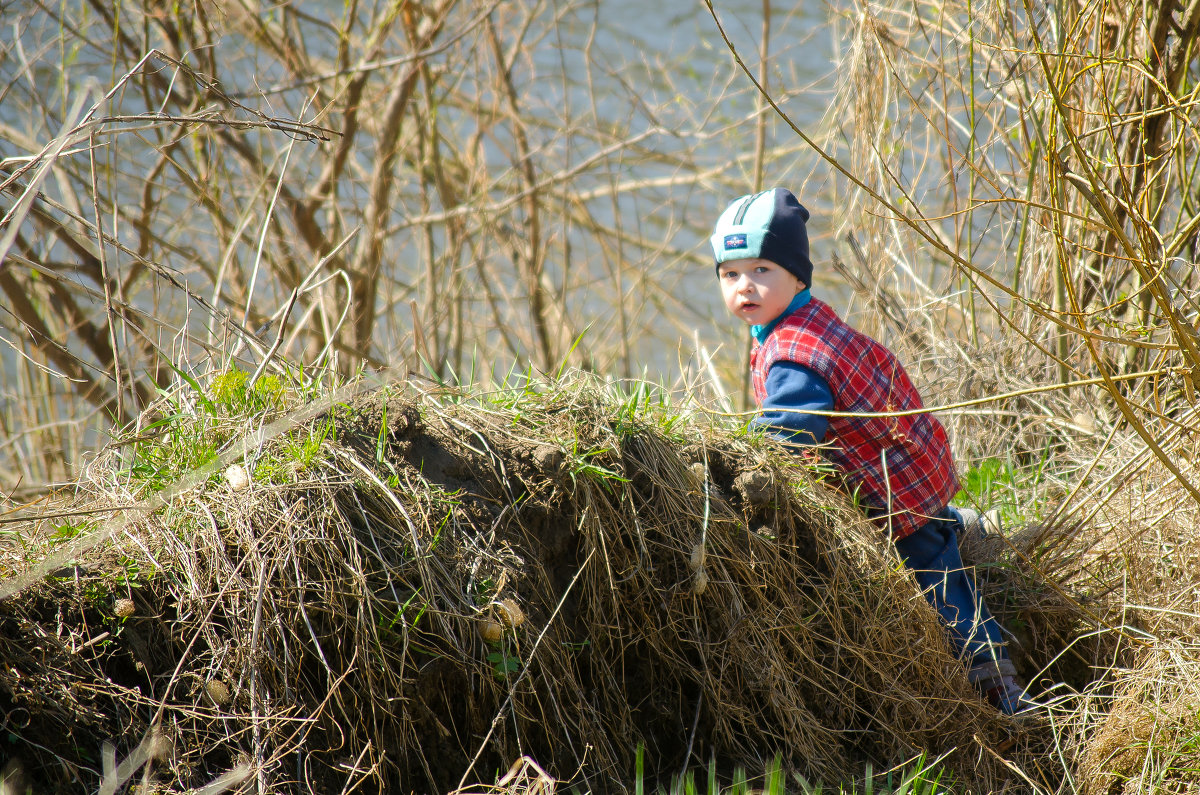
x=864, y=376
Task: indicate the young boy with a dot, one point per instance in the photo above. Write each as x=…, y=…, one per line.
x=806, y=358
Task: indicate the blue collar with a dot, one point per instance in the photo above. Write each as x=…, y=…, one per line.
x=762, y=332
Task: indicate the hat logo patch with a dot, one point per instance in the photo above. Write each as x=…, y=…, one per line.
x=735, y=241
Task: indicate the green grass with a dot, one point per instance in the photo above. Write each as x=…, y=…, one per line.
x=232, y=391
x=581, y=465
x=1018, y=492
x=640, y=403
x=296, y=451
x=917, y=778
x=197, y=424
x=178, y=443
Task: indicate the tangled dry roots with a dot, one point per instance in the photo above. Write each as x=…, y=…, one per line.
x=639, y=580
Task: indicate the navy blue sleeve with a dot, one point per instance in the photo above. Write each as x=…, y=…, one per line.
x=794, y=386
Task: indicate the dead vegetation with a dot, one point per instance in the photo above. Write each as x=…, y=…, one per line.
x=449, y=582
x=421, y=588
x=426, y=588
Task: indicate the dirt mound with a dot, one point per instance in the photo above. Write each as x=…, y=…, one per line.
x=415, y=590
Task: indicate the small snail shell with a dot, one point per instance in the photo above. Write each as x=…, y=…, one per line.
x=491, y=631
x=237, y=477
x=510, y=613
x=218, y=691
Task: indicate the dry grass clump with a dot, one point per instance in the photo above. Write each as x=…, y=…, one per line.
x=1147, y=738
x=417, y=589
x=1138, y=729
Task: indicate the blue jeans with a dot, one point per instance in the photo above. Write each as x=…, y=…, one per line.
x=932, y=553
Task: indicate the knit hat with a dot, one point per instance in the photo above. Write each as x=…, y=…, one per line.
x=767, y=225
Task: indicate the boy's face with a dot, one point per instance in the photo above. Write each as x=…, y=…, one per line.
x=757, y=290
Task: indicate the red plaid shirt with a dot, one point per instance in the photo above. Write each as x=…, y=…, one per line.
x=864, y=376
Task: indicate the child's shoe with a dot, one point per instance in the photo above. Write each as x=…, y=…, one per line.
x=997, y=680
x=1010, y=698
x=978, y=525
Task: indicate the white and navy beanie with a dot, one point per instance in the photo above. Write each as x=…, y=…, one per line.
x=767, y=225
